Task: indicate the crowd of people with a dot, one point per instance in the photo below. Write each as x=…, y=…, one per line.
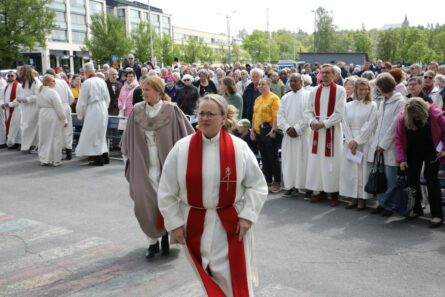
x=316, y=130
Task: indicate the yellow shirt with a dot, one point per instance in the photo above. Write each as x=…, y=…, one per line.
x=265, y=110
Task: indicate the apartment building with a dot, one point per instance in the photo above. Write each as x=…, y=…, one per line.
x=64, y=45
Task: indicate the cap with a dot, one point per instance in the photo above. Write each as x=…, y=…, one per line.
x=187, y=77
x=244, y=123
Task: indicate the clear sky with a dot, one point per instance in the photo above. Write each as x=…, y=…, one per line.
x=207, y=15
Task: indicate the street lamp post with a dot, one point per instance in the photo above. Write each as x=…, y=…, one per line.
x=229, y=55
x=151, y=35
x=315, y=24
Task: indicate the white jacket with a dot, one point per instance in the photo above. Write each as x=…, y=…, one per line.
x=387, y=116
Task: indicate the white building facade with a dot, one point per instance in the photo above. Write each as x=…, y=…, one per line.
x=73, y=17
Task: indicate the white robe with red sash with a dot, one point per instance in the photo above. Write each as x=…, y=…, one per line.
x=10, y=117
x=323, y=166
x=250, y=195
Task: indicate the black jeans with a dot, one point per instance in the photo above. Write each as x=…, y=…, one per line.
x=415, y=162
x=269, y=158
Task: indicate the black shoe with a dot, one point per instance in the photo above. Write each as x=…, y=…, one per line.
x=69, y=154
x=152, y=251
x=98, y=161
x=165, y=246
x=378, y=210
x=387, y=213
x=290, y=192
x=2, y=146
x=106, y=158
x=414, y=216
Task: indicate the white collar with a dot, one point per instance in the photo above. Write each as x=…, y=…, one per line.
x=156, y=106
x=211, y=140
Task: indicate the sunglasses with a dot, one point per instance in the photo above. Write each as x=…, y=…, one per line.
x=187, y=79
x=430, y=77
x=11, y=75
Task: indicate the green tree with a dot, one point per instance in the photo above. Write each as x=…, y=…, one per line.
x=439, y=45
x=167, y=50
x=23, y=25
x=362, y=42
x=191, y=51
x=324, y=36
x=257, y=45
x=108, y=37
x=387, y=45
x=207, y=53
x=141, y=41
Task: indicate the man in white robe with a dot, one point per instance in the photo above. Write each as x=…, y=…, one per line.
x=294, y=148
x=324, y=115
x=67, y=98
x=93, y=105
x=10, y=113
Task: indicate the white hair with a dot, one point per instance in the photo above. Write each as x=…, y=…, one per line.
x=258, y=71
x=89, y=68
x=307, y=79
x=336, y=69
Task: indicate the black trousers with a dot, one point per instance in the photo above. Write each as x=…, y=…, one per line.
x=415, y=162
x=269, y=157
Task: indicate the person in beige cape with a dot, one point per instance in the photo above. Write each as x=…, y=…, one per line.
x=152, y=130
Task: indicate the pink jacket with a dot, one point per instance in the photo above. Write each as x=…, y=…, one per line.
x=126, y=97
x=437, y=122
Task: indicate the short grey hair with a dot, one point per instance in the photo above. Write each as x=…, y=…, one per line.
x=89, y=68
x=257, y=71
x=336, y=69
x=369, y=75
x=440, y=78
x=306, y=78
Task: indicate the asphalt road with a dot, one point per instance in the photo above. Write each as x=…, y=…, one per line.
x=70, y=231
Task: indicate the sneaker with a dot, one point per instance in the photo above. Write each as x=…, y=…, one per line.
x=275, y=188
x=290, y=193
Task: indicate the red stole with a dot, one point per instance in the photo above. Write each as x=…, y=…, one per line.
x=11, y=98
x=329, y=132
x=92, y=75
x=226, y=212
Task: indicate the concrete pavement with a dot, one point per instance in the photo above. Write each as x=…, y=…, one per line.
x=70, y=231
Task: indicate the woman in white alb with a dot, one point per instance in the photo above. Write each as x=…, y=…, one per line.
x=26, y=95
x=52, y=120
x=359, y=123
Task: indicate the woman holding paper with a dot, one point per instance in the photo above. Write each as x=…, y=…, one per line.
x=420, y=138
x=359, y=122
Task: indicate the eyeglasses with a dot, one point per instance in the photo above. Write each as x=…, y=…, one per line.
x=208, y=115
x=130, y=58
x=429, y=77
x=186, y=79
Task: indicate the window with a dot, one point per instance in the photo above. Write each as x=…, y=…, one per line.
x=121, y=13
x=77, y=6
x=57, y=5
x=165, y=22
x=78, y=37
x=96, y=7
x=58, y=35
x=78, y=22
x=155, y=20
x=165, y=31
x=60, y=20
x=134, y=15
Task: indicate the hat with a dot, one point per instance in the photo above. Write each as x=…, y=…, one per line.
x=187, y=77
x=244, y=123
x=170, y=77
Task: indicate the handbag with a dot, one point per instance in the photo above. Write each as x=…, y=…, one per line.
x=377, y=179
x=401, y=197
x=265, y=129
